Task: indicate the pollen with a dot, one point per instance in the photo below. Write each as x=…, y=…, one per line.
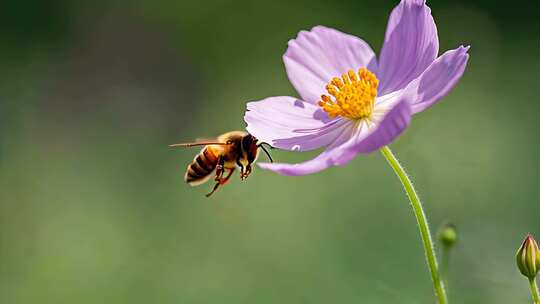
x=352, y=96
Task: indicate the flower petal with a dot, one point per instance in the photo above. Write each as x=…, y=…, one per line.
x=332, y=156
x=315, y=57
x=439, y=78
x=410, y=45
x=291, y=124
x=393, y=117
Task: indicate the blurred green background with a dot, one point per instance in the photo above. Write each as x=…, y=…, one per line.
x=93, y=208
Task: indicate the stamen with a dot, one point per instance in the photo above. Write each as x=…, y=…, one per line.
x=354, y=95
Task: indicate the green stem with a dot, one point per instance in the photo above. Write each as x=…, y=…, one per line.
x=422, y=224
x=534, y=290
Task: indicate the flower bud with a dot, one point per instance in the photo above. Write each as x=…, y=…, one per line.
x=528, y=257
x=447, y=235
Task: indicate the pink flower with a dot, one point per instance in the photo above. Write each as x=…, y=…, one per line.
x=351, y=103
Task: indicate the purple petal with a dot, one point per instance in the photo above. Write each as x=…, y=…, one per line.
x=291, y=124
x=439, y=78
x=356, y=138
x=388, y=126
x=315, y=57
x=410, y=45
x=332, y=156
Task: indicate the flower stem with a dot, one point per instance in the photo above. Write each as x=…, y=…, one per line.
x=422, y=223
x=534, y=290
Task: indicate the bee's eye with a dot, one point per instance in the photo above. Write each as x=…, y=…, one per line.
x=246, y=143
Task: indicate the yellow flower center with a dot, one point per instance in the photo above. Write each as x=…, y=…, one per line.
x=354, y=95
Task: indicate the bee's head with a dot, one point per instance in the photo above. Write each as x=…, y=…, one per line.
x=249, y=151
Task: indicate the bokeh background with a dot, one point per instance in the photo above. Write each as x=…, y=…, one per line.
x=93, y=208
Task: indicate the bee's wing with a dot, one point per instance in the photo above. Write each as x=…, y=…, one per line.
x=201, y=142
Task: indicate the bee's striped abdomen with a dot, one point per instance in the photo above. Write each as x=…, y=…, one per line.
x=202, y=166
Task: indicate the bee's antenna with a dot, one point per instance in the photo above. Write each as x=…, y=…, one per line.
x=263, y=143
x=266, y=151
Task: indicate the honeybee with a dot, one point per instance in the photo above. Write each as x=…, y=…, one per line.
x=225, y=153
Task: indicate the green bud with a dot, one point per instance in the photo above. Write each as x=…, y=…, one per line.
x=528, y=257
x=538, y=259
x=448, y=235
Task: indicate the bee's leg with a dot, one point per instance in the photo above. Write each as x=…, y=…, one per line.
x=219, y=169
x=245, y=172
x=214, y=190
x=248, y=171
x=226, y=179
x=221, y=181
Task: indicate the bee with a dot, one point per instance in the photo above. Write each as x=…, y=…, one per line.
x=225, y=153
